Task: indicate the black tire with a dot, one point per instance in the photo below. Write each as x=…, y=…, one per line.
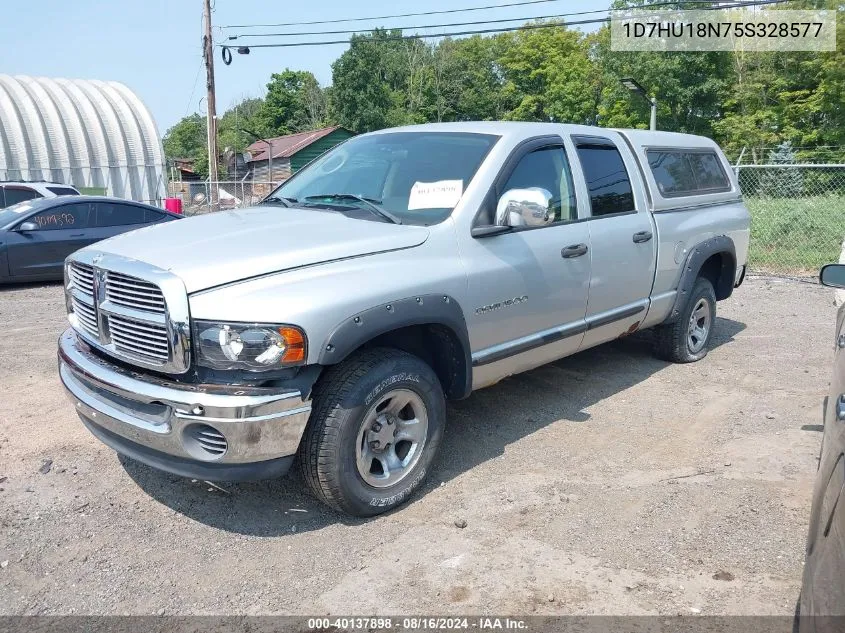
x=343, y=397
x=671, y=340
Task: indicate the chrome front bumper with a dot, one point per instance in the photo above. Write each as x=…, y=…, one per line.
x=156, y=421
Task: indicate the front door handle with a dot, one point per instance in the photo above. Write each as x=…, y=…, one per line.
x=576, y=250
x=78, y=235
x=642, y=236
x=840, y=408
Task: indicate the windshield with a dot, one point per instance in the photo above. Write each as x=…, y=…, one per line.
x=12, y=214
x=416, y=177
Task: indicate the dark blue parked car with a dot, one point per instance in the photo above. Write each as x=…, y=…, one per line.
x=37, y=235
x=823, y=590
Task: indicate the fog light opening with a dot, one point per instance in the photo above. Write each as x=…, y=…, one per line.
x=204, y=442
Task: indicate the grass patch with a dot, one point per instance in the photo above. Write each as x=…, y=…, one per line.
x=795, y=235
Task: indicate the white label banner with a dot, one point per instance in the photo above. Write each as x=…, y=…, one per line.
x=443, y=194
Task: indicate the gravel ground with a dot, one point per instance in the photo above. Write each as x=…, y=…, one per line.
x=606, y=483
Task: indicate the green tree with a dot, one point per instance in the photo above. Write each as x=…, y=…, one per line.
x=753, y=100
x=549, y=76
x=295, y=102
x=689, y=87
x=370, y=82
x=778, y=97
x=188, y=139
x=785, y=182
x=237, y=121
x=466, y=81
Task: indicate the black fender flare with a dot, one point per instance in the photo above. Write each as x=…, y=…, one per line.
x=699, y=254
x=364, y=326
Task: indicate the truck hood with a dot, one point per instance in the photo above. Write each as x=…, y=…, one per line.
x=228, y=246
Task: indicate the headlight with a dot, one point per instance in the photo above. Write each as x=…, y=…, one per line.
x=249, y=346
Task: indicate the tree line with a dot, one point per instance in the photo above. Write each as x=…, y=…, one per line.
x=552, y=74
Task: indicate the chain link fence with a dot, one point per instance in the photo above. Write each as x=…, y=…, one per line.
x=200, y=197
x=797, y=211
x=797, y=216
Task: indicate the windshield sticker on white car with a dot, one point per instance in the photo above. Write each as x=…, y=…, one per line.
x=443, y=194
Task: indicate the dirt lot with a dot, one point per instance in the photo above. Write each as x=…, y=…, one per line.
x=609, y=482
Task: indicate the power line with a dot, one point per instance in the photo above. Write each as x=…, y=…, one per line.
x=194, y=89
x=423, y=36
x=419, y=36
x=737, y=4
x=197, y=76
x=388, y=17
x=505, y=5
x=422, y=26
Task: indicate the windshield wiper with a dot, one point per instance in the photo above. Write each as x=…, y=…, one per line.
x=287, y=202
x=370, y=203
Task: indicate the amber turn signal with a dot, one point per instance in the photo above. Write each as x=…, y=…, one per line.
x=294, y=345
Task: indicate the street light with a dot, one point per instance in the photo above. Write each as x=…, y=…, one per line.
x=633, y=86
x=258, y=137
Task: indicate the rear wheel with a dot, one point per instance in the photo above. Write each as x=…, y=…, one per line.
x=376, y=424
x=686, y=340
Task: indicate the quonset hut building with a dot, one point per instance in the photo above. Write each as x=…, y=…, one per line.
x=95, y=135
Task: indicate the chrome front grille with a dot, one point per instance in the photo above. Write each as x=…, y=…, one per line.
x=141, y=317
x=135, y=338
x=82, y=278
x=134, y=293
x=86, y=316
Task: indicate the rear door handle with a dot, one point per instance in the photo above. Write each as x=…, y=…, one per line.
x=576, y=250
x=642, y=236
x=78, y=235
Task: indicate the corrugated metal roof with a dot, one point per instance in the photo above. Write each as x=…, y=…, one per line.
x=86, y=133
x=287, y=146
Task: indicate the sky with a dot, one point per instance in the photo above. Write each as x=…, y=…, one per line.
x=154, y=46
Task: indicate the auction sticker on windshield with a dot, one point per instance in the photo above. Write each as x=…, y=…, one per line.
x=443, y=194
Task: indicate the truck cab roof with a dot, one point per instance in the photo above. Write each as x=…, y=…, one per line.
x=518, y=129
x=648, y=146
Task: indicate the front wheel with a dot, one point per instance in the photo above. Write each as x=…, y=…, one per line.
x=687, y=339
x=376, y=424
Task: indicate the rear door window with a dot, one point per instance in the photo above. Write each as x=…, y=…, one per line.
x=606, y=176
x=19, y=194
x=118, y=214
x=151, y=216
x=66, y=216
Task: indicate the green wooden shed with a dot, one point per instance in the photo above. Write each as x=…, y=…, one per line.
x=291, y=152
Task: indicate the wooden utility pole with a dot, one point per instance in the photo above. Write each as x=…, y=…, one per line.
x=208, y=54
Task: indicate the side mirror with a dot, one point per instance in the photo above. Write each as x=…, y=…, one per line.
x=28, y=226
x=833, y=275
x=524, y=207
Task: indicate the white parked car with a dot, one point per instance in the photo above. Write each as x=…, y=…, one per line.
x=12, y=192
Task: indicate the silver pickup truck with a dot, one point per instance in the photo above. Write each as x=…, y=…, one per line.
x=403, y=268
